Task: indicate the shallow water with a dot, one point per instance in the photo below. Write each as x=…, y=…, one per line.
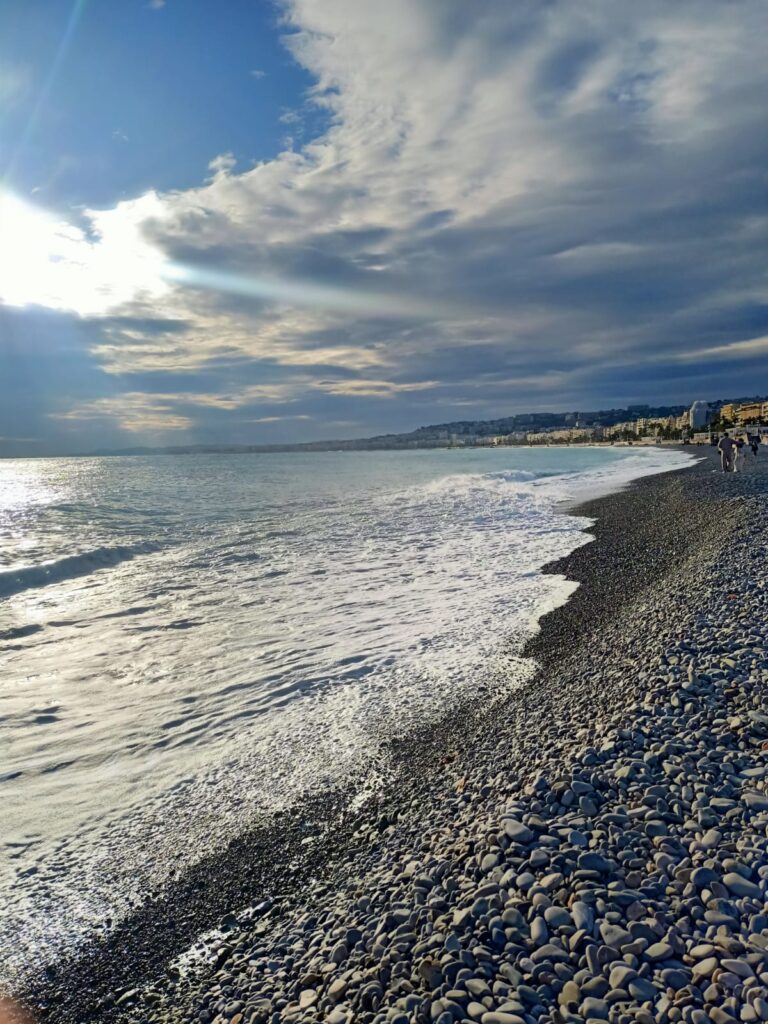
x=260, y=619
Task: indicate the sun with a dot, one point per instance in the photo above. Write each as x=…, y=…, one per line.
x=48, y=261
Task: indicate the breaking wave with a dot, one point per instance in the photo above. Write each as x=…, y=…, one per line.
x=29, y=577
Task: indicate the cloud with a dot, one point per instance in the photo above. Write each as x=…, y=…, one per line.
x=735, y=349
x=221, y=166
x=508, y=204
x=373, y=388
x=135, y=413
x=277, y=419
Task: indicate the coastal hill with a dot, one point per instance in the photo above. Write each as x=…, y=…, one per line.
x=437, y=434
x=513, y=428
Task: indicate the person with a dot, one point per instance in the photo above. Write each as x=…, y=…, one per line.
x=738, y=455
x=754, y=441
x=726, y=446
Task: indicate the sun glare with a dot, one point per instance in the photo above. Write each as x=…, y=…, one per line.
x=49, y=262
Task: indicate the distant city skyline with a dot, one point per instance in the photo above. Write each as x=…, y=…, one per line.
x=333, y=218
x=676, y=421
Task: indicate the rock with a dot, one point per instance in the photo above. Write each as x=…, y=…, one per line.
x=738, y=967
x=740, y=886
x=583, y=916
x=702, y=877
x=704, y=968
x=621, y=975
x=594, y=862
x=643, y=990
x=675, y=979
x=516, y=831
x=337, y=989
x=595, y=1008
x=497, y=1017
x=711, y=839
x=549, y=952
x=614, y=936
x=658, y=951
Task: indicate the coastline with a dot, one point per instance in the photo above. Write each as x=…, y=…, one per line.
x=642, y=534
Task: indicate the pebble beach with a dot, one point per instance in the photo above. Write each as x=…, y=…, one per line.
x=589, y=847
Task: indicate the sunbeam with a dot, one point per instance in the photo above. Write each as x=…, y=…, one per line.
x=296, y=292
x=75, y=14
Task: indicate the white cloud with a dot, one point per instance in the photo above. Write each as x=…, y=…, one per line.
x=133, y=412
x=222, y=165
x=373, y=388
x=484, y=171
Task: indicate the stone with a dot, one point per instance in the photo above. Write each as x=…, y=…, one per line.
x=307, y=998
x=643, y=990
x=621, y=975
x=549, y=952
x=583, y=916
x=498, y=1017
x=615, y=936
x=674, y=978
x=704, y=968
x=658, y=951
x=596, y=1008
x=594, y=862
x=516, y=831
x=740, y=886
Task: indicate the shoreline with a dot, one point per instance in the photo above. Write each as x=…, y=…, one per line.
x=254, y=865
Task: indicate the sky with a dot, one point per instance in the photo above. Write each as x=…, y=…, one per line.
x=261, y=222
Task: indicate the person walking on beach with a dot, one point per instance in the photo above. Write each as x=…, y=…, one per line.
x=738, y=455
x=754, y=441
x=726, y=446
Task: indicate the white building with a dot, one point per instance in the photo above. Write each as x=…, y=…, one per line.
x=698, y=415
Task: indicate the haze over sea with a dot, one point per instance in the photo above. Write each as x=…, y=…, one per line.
x=259, y=622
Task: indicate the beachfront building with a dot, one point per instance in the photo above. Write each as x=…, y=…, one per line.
x=582, y=435
x=742, y=413
x=752, y=412
x=728, y=411
x=624, y=429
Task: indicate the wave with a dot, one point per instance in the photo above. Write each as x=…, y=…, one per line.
x=29, y=577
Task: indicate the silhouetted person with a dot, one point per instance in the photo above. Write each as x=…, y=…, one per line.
x=727, y=448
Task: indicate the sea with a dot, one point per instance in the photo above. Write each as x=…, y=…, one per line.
x=188, y=641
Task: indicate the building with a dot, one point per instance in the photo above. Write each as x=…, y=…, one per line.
x=744, y=412
x=728, y=411
x=698, y=415
x=751, y=412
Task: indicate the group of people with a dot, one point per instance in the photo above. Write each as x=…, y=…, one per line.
x=733, y=451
